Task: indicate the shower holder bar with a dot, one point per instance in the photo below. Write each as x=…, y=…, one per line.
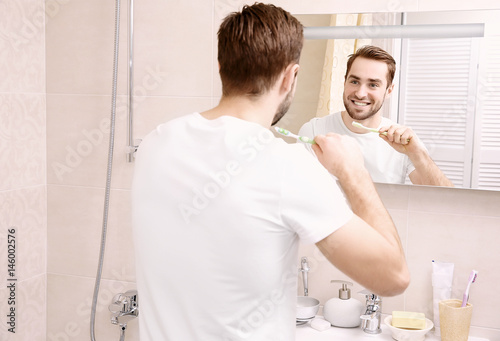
x=130, y=150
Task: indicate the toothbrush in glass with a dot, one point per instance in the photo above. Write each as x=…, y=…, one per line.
x=373, y=130
x=472, y=279
x=288, y=133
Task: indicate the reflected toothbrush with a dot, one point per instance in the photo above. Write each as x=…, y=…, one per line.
x=373, y=130
x=288, y=133
x=472, y=279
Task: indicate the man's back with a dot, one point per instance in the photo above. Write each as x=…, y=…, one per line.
x=218, y=206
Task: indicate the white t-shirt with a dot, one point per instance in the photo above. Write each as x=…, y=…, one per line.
x=383, y=162
x=218, y=208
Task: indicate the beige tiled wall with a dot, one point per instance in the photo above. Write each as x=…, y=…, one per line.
x=23, y=208
x=55, y=104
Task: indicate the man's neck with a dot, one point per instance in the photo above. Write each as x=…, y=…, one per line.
x=259, y=110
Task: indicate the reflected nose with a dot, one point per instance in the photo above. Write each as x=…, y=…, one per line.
x=361, y=92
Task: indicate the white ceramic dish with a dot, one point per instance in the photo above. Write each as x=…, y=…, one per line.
x=300, y=321
x=307, y=307
x=408, y=334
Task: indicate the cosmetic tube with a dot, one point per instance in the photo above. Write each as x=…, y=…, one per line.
x=442, y=279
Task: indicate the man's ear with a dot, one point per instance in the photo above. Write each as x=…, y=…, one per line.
x=289, y=77
x=389, y=90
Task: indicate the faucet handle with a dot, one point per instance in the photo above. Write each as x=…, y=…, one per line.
x=374, y=298
x=370, y=297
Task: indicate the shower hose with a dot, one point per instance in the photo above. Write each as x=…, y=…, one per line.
x=108, y=177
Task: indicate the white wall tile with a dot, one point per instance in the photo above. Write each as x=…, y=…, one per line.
x=74, y=233
x=455, y=200
x=446, y=5
x=7, y=169
x=22, y=140
x=28, y=134
x=173, y=47
x=80, y=47
x=78, y=138
x=336, y=6
x=28, y=216
x=22, y=45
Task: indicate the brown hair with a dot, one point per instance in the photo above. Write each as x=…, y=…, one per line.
x=375, y=53
x=255, y=46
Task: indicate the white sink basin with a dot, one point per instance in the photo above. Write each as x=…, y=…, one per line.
x=306, y=333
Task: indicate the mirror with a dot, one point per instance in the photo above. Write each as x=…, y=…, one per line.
x=446, y=89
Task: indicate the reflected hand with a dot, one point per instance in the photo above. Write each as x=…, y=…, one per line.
x=402, y=138
x=405, y=141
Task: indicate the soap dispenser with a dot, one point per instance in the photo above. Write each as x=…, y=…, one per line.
x=343, y=311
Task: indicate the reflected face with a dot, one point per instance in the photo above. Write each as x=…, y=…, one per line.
x=365, y=88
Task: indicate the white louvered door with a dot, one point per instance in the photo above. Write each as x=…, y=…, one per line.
x=439, y=100
x=486, y=164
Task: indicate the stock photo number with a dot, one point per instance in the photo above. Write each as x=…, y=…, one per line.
x=11, y=280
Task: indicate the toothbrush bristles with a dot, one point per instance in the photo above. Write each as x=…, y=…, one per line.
x=472, y=279
x=288, y=133
x=282, y=131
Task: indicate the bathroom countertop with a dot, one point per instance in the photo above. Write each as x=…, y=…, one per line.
x=306, y=333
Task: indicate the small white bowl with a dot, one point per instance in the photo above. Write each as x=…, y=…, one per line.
x=307, y=307
x=408, y=334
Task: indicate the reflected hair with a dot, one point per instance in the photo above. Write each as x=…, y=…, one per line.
x=374, y=53
x=255, y=46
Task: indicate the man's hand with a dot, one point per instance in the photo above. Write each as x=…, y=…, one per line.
x=339, y=154
x=402, y=138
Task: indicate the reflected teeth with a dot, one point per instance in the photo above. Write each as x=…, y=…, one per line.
x=360, y=103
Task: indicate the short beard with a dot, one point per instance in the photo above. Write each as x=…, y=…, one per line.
x=369, y=114
x=283, y=108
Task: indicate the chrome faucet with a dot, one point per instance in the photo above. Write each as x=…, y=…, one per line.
x=304, y=268
x=124, y=307
x=370, y=321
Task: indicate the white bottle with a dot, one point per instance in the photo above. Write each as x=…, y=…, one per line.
x=343, y=311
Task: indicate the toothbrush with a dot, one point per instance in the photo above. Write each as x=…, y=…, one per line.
x=373, y=130
x=472, y=279
x=287, y=133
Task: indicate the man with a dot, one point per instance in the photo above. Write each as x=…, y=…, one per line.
x=396, y=151
x=220, y=204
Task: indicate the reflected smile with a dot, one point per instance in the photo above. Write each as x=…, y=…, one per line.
x=360, y=103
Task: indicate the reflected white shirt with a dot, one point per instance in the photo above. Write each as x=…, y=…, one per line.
x=383, y=162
